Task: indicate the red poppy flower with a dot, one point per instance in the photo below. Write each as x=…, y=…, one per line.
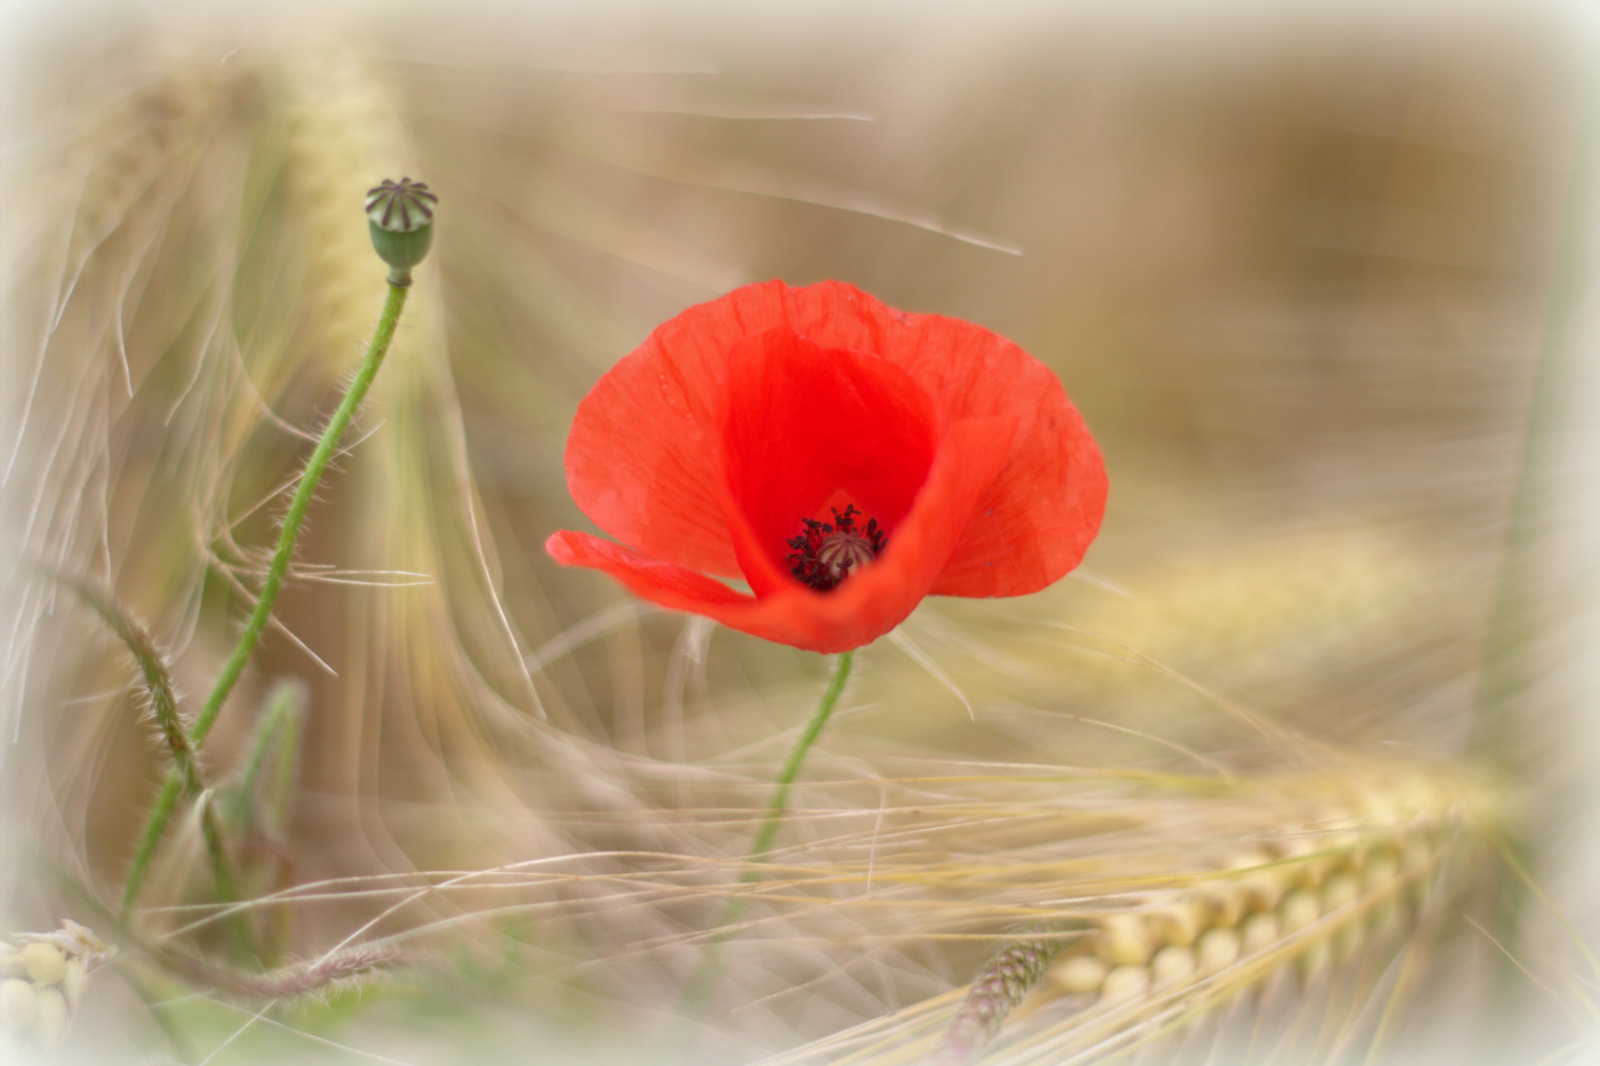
x=844, y=458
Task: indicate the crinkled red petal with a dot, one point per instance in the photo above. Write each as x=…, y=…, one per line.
x=642, y=462
x=801, y=426
x=865, y=607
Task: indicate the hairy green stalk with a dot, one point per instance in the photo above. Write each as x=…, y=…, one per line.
x=185, y=773
x=705, y=975
x=160, y=814
x=293, y=520
x=295, y=517
x=152, y=664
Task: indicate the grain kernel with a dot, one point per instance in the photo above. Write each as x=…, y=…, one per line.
x=45, y=962
x=1261, y=888
x=1125, y=940
x=1300, y=908
x=50, y=1022
x=1172, y=966
x=1224, y=903
x=1177, y=923
x=1125, y=983
x=1218, y=949
x=1260, y=931
x=1078, y=974
x=18, y=1004
x=1340, y=890
x=1308, y=872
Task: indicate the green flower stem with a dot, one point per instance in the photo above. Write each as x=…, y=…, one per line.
x=296, y=515
x=705, y=975
x=791, y=769
x=161, y=813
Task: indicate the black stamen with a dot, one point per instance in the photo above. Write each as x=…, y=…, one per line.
x=825, y=553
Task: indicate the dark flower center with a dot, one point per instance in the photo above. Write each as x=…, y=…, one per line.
x=825, y=553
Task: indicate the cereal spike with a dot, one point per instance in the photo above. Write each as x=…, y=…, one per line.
x=999, y=986
x=1302, y=901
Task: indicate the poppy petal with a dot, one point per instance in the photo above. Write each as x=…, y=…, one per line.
x=639, y=458
x=1042, y=511
x=643, y=458
x=651, y=579
x=657, y=461
x=875, y=600
x=800, y=425
x=869, y=603
x=1046, y=504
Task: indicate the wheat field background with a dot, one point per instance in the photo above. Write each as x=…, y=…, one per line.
x=1298, y=768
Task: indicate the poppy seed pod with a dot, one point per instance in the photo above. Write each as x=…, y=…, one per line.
x=400, y=219
x=843, y=458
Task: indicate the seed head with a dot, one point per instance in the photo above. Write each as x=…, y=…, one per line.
x=400, y=219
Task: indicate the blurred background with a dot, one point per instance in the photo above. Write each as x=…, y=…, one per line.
x=1319, y=283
